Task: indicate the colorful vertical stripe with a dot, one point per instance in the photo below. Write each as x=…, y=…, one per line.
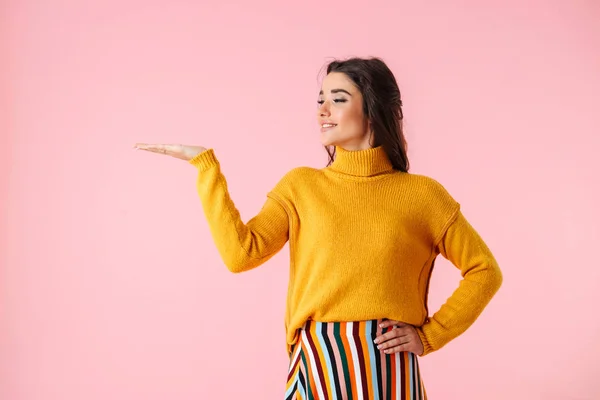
x=339, y=361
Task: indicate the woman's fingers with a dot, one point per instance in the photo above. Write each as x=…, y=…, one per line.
x=403, y=347
x=174, y=150
x=154, y=148
x=398, y=329
x=396, y=340
x=402, y=337
x=158, y=148
x=393, y=335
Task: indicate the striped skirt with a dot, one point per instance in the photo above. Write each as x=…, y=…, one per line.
x=339, y=361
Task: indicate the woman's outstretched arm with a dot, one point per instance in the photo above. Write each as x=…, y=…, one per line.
x=242, y=246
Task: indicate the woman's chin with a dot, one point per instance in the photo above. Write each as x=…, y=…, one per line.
x=327, y=140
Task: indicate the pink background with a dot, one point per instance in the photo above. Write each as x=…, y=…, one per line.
x=110, y=285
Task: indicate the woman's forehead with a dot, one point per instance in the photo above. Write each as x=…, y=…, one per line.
x=338, y=80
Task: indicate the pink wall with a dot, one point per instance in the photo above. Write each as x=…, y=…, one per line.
x=110, y=285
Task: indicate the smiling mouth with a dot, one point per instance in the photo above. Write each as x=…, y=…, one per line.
x=326, y=127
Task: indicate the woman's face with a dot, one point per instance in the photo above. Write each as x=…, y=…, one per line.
x=340, y=114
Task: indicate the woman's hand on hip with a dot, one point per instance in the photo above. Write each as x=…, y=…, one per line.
x=183, y=152
x=402, y=337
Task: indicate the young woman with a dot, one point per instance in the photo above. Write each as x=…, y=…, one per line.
x=364, y=234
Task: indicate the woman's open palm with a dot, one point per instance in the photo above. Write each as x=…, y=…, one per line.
x=183, y=152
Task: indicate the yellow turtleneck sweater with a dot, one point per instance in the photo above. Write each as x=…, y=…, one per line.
x=363, y=241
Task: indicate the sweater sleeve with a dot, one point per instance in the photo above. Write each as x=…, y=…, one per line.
x=465, y=249
x=242, y=246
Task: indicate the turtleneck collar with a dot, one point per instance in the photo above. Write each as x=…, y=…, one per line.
x=364, y=163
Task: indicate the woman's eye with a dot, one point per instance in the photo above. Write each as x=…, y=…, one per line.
x=339, y=100
x=320, y=101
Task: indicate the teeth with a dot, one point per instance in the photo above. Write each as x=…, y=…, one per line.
x=328, y=125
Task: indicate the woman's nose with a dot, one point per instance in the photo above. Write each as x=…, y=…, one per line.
x=323, y=109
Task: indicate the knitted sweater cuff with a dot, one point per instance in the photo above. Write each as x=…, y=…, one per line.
x=427, y=347
x=204, y=160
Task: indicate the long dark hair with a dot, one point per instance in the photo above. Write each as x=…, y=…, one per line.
x=382, y=105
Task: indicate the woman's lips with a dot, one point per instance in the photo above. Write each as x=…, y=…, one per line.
x=327, y=126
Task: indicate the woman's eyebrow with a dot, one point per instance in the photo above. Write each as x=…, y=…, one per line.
x=337, y=91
